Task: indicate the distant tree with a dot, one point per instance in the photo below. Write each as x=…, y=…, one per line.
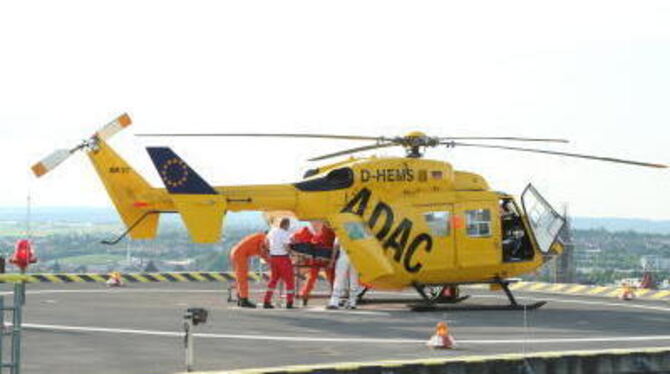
x=179, y=268
x=216, y=262
x=151, y=267
x=55, y=268
x=81, y=269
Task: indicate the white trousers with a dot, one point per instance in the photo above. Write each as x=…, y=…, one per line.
x=345, y=277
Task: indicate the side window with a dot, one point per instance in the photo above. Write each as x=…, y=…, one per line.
x=337, y=179
x=438, y=222
x=356, y=230
x=478, y=223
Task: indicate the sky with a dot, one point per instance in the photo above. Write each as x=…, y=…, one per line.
x=594, y=72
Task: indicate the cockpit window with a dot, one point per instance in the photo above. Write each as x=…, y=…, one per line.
x=356, y=230
x=335, y=180
x=478, y=223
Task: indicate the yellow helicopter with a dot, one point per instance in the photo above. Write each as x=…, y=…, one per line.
x=403, y=221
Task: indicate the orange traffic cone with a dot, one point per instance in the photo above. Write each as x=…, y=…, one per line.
x=115, y=280
x=441, y=339
x=627, y=293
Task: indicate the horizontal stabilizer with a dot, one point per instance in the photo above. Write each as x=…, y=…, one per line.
x=202, y=215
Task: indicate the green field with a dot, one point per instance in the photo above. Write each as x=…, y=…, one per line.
x=40, y=229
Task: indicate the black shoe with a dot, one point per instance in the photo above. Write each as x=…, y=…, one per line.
x=332, y=307
x=245, y=303
x=304, y=301
x=289, y=305
x=268, y=306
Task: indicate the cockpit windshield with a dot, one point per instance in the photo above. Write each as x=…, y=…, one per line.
x=545, y=222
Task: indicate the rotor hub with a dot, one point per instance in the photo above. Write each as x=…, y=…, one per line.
x=416, y=142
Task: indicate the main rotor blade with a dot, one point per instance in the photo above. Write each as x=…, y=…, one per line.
x=261, y=135
x=353, y=150
x=510, y=138
x=566, y=154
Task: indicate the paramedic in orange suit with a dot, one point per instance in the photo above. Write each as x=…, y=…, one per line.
x=323, y=237
x=250, y=246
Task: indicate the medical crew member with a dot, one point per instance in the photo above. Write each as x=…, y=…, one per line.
x=281, y=268
x=304, y=235
x=323, y=238
x=345, y=275
x=251, y=246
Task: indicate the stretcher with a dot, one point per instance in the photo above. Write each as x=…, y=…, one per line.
x=306, y=258
x=312, y=251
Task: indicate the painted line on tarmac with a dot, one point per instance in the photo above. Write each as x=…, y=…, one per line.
x=152, y=290
x=603, y=303
x=344, y=312
x=306, y=339
x=585, y=302
x=35, y=326
x=149, y=290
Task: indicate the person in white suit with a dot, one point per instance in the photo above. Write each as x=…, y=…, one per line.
x=346, y=277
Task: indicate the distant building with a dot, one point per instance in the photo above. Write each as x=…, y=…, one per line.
x=564, y=270
x=655, y=263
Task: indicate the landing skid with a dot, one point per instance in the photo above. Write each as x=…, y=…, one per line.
x=455, y=308
x=430, y=294
x=432, y=304
x=413, y=300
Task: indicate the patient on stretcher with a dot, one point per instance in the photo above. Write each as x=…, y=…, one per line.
x=313, y=247
x=316, y=243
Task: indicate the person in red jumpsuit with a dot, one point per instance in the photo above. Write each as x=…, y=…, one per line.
x=304, y=235
x=250, y=246
x=322, y=238
x=281, y=268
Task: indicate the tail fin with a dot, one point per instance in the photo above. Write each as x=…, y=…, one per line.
x=177, y=176
x=201, y=208
x=128, y=190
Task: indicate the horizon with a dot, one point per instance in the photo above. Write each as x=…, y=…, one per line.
x=111, y=209
x=100, y=215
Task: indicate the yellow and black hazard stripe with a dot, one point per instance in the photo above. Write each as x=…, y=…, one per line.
x=587, y=290
x=192, y=276
x=128, y=277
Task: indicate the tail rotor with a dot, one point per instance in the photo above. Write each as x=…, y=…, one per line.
x=57, y=157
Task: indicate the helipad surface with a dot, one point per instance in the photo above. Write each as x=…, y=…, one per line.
x=89, y=328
